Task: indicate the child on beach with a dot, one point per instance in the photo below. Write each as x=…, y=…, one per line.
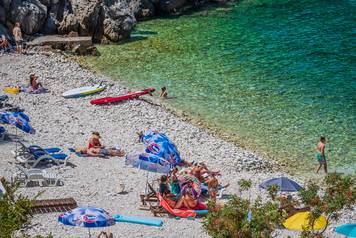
x=163, y=93
x=320, y=155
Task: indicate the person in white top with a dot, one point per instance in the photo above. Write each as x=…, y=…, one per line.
x=18, y=37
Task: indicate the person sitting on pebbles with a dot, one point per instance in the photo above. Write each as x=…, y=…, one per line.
x=4, y=43
x=95, y=148
x=34, y=86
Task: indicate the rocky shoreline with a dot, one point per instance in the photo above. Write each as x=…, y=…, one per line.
x=93, y=181
x=105, y=21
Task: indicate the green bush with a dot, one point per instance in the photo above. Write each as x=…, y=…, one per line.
x=339, y=194
x=233, y=220
x=15, y=211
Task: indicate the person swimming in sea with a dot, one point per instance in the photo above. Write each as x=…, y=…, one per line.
x=320, y=155
x=163, y=93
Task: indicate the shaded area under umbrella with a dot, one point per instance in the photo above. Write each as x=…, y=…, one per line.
x=148, y=162
x=284, y=184
x=347, y=230
x=89, y=217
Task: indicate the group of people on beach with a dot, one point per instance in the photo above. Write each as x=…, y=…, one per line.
x=17, y=33
x=180, y=194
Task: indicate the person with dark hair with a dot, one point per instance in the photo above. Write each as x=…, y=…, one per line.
x=320, y=155
x=4, y=43
x=163, y=93
x=34, y=85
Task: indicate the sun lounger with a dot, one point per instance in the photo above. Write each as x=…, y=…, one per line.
x=35, y=155
x=23, y=149
x=42, y=177
x=158, y=206
x=185, y=213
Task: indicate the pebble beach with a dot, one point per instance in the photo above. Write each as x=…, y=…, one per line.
x=68, y=123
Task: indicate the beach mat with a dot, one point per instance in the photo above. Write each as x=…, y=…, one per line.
x=138, y=220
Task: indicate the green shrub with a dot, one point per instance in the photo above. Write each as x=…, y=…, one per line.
x=15, y=211
x=233, y=220
x=339, y=194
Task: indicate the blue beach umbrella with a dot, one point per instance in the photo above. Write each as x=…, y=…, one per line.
x=89, y=217
x=18, y=119
x=160, y=145
x=148, y=162
x=284, y=184
x=347, y=230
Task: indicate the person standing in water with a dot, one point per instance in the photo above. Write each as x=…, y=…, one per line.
x=163, y=93
x=320, y=155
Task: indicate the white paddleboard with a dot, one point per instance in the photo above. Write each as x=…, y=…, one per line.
x=83, y=91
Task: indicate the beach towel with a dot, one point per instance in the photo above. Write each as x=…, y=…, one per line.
x=184, y=213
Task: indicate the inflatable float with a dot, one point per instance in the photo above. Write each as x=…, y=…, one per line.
x=138, y=220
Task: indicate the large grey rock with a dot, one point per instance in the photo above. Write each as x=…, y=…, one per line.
x=170, y=6
x=4, y=31
x=51, y=25
x=110, y=20
x=2, y=15
x=69, y=23
x=146, y=9
x=32, y=15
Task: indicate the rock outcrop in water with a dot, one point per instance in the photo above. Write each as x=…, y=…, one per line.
x=104, y=20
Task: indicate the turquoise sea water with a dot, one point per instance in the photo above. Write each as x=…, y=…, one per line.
x=275, y=75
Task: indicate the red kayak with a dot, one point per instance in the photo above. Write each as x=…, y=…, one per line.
x=128, y=96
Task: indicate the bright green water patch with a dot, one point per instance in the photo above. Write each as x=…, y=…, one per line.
x=275, y=75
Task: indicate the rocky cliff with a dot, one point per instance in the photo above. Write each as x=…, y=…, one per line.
x=104, y=20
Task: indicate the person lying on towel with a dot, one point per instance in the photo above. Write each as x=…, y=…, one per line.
x=102, y=152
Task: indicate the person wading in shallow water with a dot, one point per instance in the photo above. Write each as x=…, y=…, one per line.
x=320, y=155
x=163, y=93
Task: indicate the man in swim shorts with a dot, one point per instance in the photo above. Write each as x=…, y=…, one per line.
x=320, y=155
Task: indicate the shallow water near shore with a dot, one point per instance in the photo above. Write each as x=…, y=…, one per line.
x=274, y=75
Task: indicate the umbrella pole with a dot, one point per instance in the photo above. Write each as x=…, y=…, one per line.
x=89, y=233
x=146, y=187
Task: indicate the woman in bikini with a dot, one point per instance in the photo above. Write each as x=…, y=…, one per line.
x=320, y=155
x=95, y=148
